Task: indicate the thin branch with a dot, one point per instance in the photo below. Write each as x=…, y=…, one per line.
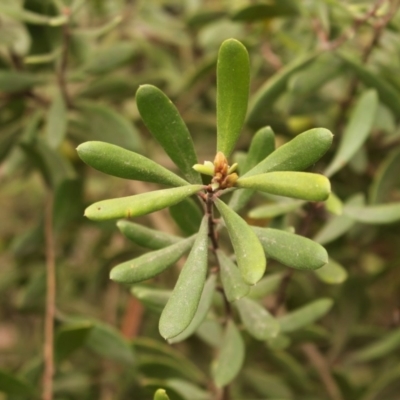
x=280, y=297
x=211, y=224
x=50, y=301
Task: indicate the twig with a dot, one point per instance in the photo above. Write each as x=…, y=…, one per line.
x=322, y=368
x=132, y=319
x=50, y=301
x=281, y=295
x=211, y=224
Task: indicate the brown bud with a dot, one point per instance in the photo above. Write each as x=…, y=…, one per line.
x=230, y=180
x=221, y=163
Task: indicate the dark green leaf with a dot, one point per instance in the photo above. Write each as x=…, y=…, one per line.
x=166, y=125
x=12, y=385
x=233, y=80
x=184, y=301
x=187, y=215
x=255, y=12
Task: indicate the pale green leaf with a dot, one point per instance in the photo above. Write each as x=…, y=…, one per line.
x=154, y=299
x=261, y=11
x=249, y=253
x=356, y=131
x=161, y=394
x=332, y=273
x=334, y=205
x=184, y=301
x=233, y=80
x=273, y=210
x=257, y=320
x=166, y=125
x=376, y=214
x=116, y=161
x=150, y=264
x=16, y=81
x=140, y=204
x=230, y=358
x=56, y=127
x=266, y=286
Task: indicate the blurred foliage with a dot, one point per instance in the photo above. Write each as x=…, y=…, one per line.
x=68, y=74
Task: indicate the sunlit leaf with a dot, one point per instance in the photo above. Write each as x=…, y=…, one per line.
x=249, y=253
x=184, y=301
x=140, y=204
x=272, y=210
x=233, y=80
x=230, y=358
x=20, y=14
x=150, y=264
x=298, y=185
x=332, y=273
x=232, y=281
x=292, y=250
x=166, y=125
x=161, y=394
x=257, y=320
x=334, y=205
x=116, y=161
x=356, y=131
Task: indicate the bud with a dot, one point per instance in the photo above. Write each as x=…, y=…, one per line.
x=221, y=163
x=230, y=180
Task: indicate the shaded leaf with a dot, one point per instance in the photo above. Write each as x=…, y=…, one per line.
x=154, y=299
x=298, y=154
x=356, y=131
x=56, y=122
x=375, y=214
x=166, y=125
x=150, y=264
x=20, y=14
x=140, y=204
x=201, y=313
x=233, y=80
x=292, y=250
x=187, y=216
x=257, y=320
x=266, y=286
x=230, y=358
x=184, y=301
x=305, y=315
x=249, y=253
x=332, y=273
x=14, y=386
x=146, y=237
x=255, y=12
x=116, y=161
x=13, y=81
x=298, y=185
x=232, y=281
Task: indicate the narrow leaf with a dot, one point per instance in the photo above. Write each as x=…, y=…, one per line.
x=356, y=132
x=187, y=215
x=154, y=299
x=334, y=205
x=266, y=286
x=116, y=161
x=332, y=273
x=230, y=358
x=146, y=237
x=140, y=204
x=298, y=185
x=232, y=281
x=201, y=313
x=13, y=81
x=298, y=154
x=184, y=301
x=305, y=315
x=150, y=264
x=273, y=210
x=257, y=320
x=56, y=122
x=376, y=214
x=292, y=250
x=166, y=125
x=255, y=12
x=249, y=253
x=233, y=80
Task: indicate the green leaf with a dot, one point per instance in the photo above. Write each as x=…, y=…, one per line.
x=140, y=204
x=273, y=210
x=266, y=96
x=154, y=299
x=332, y=273
x=56, y=122
x=230, y=358
x=375, y=214
x=70, y=337
x=356, y=131
x=146, y=237
x=185, y=298
x=387, y=93
x=305, y=315
x=187, y=215
x=380, y=348
x=298, y=185
x=201, y=313
x=265, y=286
x=18, y=13
x=233, y=81
x=150, y=264
x=106, y=125
x=12, y=385
x=292, y=250
x=249, y=253
x=334, y=205
x=161, y=394
x=255, y=12
x=298, y=154
x=257, y=320
x=116, y=161
x=13, y=81
x=107, y=342
x=166, y=125
x=232, y=281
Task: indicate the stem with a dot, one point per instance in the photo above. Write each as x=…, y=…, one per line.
x=211, y=224
x=50, y=301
